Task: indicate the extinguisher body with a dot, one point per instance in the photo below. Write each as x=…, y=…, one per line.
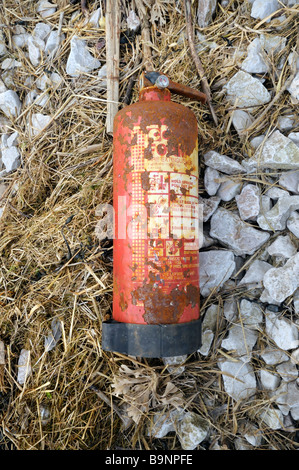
x=156, y=259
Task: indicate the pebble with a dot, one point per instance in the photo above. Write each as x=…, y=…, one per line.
x=267, y=299
x=211, y=317
x=240, y=339
x=222, y=163
x=296, y=302
x=269, y=380
x=205, y=12
x=216, y=267
x=174, y=364
x=80, y=60
x=273, y=356
x=243, y=90
x=3, y=48
x=230, y=310
x=248, y=202
x=38, y=123
x=285, y=123
x=277, y=152
x=45, y=8
x=41, y=31
x=273, y=44
x=24, y=366
x=251, y=314
x=9, y=140
x=290, y=181
x=276, y=193
x=191, y=429
x=10, y=103
x=43, y=82
x=288, y=371
x=102, y=75
x=255, y=61
x=240, y=381
x=282, y=247
x=2, y=87
x=293, y=89
x=241, y=120
x=293, y=223
x=163, y=423
x=263, y=8
x=282, y=282
x=211, y=181
x=94, y=20
x=273, y=418
x=253, y=435
x=228, y=190
x=256, y=141
x=209, y=206
x=207, y=339
x=133, y=22
x=288, y=399
x=54, y=40
x=294, y=136
x=8, y=64
x=20, y=40
x=276, y=218
x=282, y=331
x=35, y=48
x=295, y=357
x=266, y=204
x=11, y=158
x=233, y=232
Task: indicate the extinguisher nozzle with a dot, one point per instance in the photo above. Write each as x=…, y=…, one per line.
x=152, y=341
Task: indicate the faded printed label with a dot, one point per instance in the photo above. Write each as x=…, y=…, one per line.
x=166, y=183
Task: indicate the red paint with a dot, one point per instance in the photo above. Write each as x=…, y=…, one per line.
x=156, y=279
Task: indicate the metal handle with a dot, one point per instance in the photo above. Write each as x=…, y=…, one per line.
x=158, y=79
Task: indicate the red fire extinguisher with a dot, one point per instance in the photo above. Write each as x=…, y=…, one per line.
x=155, y=198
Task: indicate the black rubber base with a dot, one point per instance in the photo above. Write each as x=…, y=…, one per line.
x=152, y=340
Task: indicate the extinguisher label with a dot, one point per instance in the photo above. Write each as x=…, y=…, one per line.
x=166, y=184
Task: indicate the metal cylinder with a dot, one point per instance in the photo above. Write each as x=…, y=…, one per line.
x=156, y=260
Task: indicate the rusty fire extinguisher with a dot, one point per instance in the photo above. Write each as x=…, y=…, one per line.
x=155, y=198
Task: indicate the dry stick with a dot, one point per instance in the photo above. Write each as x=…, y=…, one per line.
x=198, y=64
x=112, y=60
x=84, y=8
x=146, y=48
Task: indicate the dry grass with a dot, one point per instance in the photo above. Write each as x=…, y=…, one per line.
x=63, y=175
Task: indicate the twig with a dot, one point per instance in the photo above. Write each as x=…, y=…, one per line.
x=198, y=64
x=145, y=37
x=112, y=60
x=146, y=41
x=127, y=98
x=84, y=8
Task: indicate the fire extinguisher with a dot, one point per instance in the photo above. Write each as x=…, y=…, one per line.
x=155, y=199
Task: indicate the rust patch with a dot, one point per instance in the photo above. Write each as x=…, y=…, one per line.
x=148, y=154
x=162, y=308
x=183, y=191
x=155, y=266
x=173, y=195
x=134, y=267
x=123, y=303
x=145, y=180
